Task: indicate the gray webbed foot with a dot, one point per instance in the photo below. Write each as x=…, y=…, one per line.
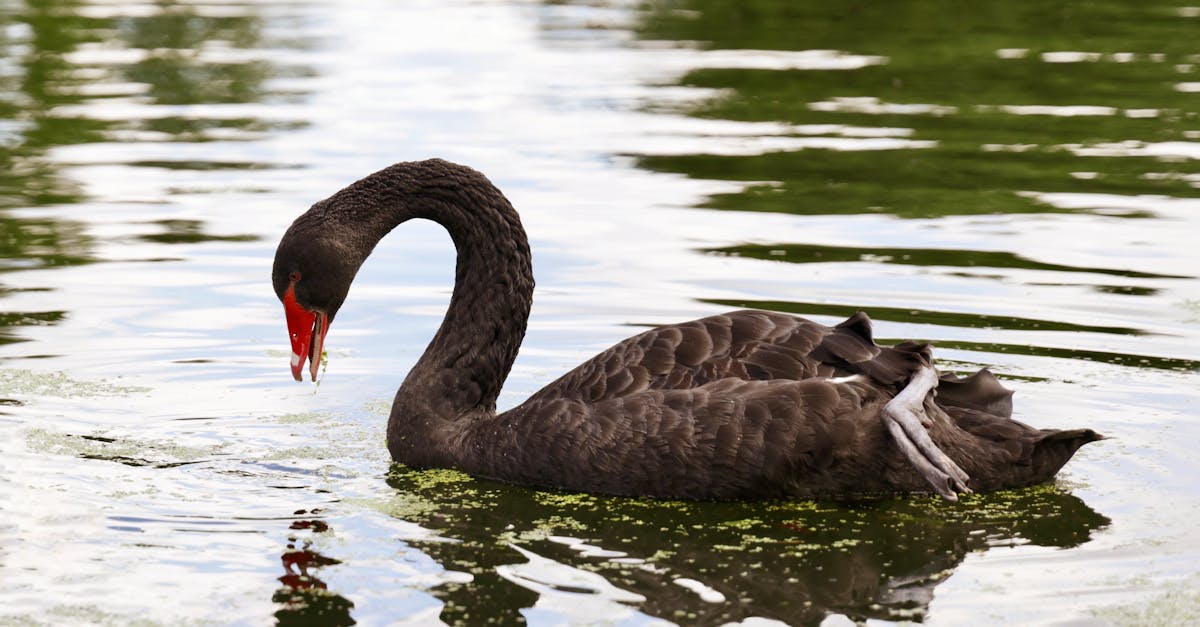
x=907, y=421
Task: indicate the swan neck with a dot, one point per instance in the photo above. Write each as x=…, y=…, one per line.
x=461, y=372
x=470, y=356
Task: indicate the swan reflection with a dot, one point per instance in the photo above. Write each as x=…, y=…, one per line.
x=710, y=563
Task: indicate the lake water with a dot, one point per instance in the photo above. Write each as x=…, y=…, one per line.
x=1017, y=182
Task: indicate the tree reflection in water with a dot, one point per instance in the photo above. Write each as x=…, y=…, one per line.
x=59, y=92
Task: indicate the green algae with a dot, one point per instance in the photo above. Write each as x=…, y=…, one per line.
x=128, y=451
x=315, y=453
x=302, y=418
x=58, y=384
x=558, y=524
x=436, y=477
x=327, y=436
x=887, y=545
x=402, y=506
x=573, y=500
x=1179, y=604
x=378, y=407
x=88, y=615
x=743, y=524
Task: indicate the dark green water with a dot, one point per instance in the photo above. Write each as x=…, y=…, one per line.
x=962, y=71
x=1018, y=183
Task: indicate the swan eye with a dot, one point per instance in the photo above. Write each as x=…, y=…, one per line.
x=294, y=276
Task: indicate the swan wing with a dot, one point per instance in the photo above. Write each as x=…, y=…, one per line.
x=746, y=345
x=724, y=439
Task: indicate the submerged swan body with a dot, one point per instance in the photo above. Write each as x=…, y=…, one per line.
x=747, y=404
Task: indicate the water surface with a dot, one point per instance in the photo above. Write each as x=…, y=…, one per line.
x=1019, y=184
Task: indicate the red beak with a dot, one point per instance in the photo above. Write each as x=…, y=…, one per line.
x=307, y=330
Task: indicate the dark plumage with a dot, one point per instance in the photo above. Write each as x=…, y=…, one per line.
x=747, y=404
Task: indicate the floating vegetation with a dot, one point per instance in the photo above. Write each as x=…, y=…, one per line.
x=895, y=550
x=58, y=384
x=402, y=506
x=87, y=615
x=1179, y=604
x=378, y=406
x=434, y=477
x=127, y=451
x=302, y=418
x=574, y=500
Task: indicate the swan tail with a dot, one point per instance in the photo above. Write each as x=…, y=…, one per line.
x=1056, y=448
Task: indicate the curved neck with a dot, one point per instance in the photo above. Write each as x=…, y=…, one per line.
x=461, y=372
x=471, y=354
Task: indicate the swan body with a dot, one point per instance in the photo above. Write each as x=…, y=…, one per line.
x=746, y=404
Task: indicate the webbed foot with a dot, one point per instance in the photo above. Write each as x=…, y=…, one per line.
x=907, y=421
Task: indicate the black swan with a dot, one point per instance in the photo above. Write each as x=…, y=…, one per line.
x=741, y=405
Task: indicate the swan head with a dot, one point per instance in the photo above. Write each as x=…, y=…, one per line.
x=311, y=276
